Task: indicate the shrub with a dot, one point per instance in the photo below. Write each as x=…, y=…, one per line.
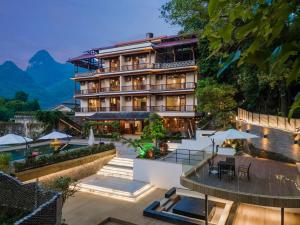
x=63, y=156
x=65, y=185
x=4, y=162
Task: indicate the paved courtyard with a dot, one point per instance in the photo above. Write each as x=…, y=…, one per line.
x=89, y=209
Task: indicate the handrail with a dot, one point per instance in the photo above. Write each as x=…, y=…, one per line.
x=186, y=156
x=138, y=87
x=186, y=108
x=140, y=66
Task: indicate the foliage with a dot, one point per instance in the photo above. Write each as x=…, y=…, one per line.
x=4, y=162
x=65, y=185
x=62, y=156
x=252, y=41
x=217, y=101
x=155, y=129
x=259, y=33
x=50, y=119
x=8, y=107
x=21, y=96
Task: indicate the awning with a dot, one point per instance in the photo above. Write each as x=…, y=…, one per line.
x=120, y=116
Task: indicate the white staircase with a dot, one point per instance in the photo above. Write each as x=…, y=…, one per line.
x=115, y=180
x=118, y=167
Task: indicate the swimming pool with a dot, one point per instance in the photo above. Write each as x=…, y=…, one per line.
x=20, y=154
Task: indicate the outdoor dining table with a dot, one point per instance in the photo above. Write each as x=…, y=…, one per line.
x=226, y=166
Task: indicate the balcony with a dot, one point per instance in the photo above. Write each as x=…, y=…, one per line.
x=139, y=87
x=141, y=66
x=174, y=86
x=184, y=108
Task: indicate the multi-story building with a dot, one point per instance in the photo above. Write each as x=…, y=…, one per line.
x=129, y=80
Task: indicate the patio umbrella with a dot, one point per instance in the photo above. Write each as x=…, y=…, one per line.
x=11, y=139
x=232, y=134
x=55, y=135
x=91, y=138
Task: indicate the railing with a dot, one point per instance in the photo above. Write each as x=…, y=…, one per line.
x=141, y=66
x=174, y=64
x=175, y=86
x=110, y=89
x=139, y=87
x=135, y=108
x=183, y=108
x=185, y=156
x=277, y=122
x=186, y=108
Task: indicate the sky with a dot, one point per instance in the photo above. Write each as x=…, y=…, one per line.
x=66, y=28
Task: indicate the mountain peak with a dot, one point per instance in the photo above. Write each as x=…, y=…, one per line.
x=40, y=57
x=10, y=65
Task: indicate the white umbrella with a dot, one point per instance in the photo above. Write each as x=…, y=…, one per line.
x=55, y=135
x=10, y=139
x=233, y=134
x=91, y=138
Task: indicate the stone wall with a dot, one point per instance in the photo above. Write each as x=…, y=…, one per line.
x=274, y=140
x=31, y=130
x=44, y=206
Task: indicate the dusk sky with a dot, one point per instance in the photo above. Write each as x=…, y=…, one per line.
x=66, y=28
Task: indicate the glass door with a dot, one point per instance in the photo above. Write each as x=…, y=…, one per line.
x=139, y=83
x=115, y=104
x=139, y=103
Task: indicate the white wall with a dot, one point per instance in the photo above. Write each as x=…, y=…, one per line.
x=158, y=173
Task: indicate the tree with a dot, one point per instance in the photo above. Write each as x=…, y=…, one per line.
x=65, y=185
x=154, y=130
x=217, y=101
x=4, y=162
x=50, y=119
x=264, y=34
x=21, y=96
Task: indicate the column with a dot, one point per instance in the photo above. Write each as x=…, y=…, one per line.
x=206, y=210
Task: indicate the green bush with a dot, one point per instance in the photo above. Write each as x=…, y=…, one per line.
x=63, y=156
x=4, y=162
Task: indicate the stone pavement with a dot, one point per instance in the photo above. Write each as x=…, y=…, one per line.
x=89, y=209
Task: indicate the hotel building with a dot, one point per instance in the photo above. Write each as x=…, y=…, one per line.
x=129, y=80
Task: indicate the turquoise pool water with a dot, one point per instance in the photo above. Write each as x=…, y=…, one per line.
x=19, y=154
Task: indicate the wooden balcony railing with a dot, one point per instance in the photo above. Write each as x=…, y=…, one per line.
x=140, y=66
x=184, y=108
x=140, y=87
x=176, y=86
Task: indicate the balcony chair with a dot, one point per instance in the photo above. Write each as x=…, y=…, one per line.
x=244, y=171
x=211, y=168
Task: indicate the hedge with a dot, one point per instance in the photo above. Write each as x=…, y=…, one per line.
x=62, y=156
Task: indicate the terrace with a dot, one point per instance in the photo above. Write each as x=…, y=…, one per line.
x=271, y=183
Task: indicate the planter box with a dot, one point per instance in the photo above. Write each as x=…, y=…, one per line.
x=53, y=168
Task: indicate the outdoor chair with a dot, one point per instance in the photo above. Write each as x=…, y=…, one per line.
x=211, y=168
x=244, y=171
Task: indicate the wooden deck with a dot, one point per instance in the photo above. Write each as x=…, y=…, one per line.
x=271, y=183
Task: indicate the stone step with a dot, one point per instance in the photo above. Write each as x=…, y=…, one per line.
x=112, y=187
